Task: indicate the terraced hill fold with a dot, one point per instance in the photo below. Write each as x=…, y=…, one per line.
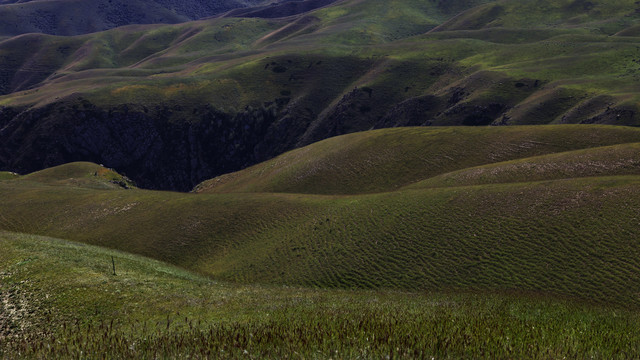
x=602, y=161
x=242, y=90
x=563, y=234
x=73, y=17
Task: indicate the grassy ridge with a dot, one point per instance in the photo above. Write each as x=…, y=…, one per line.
x=597, y=15
x=5, y=175
x=81, y=174
x=573, y=237
x=531, y=236
x=556, y=62
x=60, y=299
x=609, y=160
x=388, y=159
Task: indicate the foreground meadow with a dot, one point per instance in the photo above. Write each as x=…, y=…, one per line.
x=61, y=300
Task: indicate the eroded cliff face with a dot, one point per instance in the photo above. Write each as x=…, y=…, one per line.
x=152, y=146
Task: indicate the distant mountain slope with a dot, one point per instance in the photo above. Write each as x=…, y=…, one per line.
x=196, y=100
x=282, y=9
x=73, y=17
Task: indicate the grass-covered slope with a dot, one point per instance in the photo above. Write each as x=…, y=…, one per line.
x=621, y=159
x=5, y=175
x=573, y=237
x=80, y=174
x=598, y=15
x=385, y=160
x=267, y=85
x=73, y=17
x=61, y=300
x=549, y=43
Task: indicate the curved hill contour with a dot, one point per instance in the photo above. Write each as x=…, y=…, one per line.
x=195, y=100
x=568, y=236
x=385, y=160
x=76, y=17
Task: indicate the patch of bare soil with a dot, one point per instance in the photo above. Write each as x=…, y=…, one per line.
x=14, y=309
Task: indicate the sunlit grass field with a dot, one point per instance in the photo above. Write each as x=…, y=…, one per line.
x=62, y=300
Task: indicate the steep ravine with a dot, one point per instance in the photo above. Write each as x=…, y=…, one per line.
x=148, y=145
x=175, y=147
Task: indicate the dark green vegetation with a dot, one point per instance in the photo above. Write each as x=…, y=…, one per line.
x=213, y=96
x=61, y=300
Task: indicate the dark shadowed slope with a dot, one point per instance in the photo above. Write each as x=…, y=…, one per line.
x=73, y=17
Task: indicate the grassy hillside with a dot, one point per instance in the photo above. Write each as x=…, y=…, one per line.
x=5, y=175
x=394, y=47
x=609, y=160
x=574, y=237
x=385, y=160
x=61, y=299
x=598, y=15
x=72, y=17
x=83, y=175
x=282, y=83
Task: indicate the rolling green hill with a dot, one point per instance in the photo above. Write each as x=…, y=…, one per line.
x=5, y=175
x=602, y=161
x=61, y=300
x=83, y=175
x=561, y=235
x=243, y=90
x=385, y=160
x=337, y=210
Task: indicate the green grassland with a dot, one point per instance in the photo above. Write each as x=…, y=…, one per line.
x=385, y=160
x=572, y=235
x=82, y=175
x=609, y=160
x=5, y=175
x=61, y=300
x=412, y=242
x=549, y=62
x=479, y=247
